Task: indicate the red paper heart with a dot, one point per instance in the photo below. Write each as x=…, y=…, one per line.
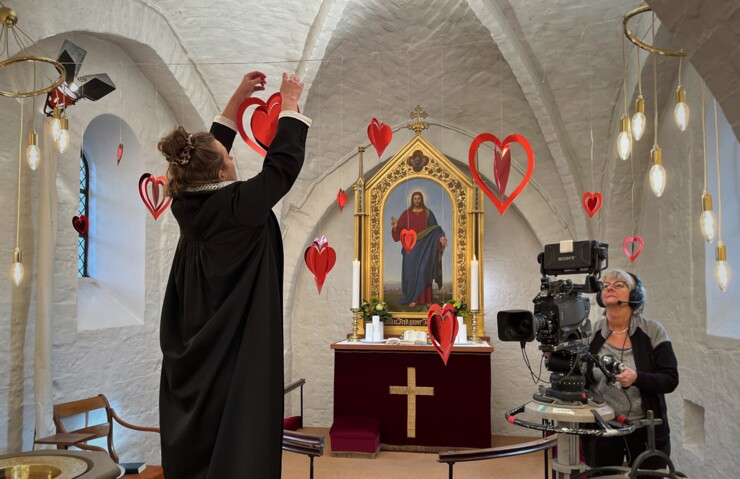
x=629, y=241
x=442, y=326
x=408, y=239
x=484, y=137
x=263, y=122
x=149, y=191
x=380, y=135
x=80, y=224
x=591, y=202
x=341, y=199
x=320, y=259
x=119, y=154
x=502, y=168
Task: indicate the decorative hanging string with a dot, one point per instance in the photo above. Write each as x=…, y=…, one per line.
x=719, y=182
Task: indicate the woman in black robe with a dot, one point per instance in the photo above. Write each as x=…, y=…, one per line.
x=221, y=392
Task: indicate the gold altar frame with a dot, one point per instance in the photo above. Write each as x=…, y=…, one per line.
x=464, y=241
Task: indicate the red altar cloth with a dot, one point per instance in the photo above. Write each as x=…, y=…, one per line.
x=458, y=414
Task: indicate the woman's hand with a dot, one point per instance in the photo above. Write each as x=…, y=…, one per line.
x=251, y=82
x=290, y=91
x=443, y=243
x=627, y=377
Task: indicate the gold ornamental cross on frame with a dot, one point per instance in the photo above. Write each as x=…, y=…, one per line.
x=412, y=390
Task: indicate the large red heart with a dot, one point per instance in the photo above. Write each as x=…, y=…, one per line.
x=442, y=326
x=320, y=259
x=380, y=135
x=80, y=224
x=628, y=245
x=484, y=137
x=341, y=199
x=263, y=123
x=591, y=202
x=154, y=201
x=408, y=239
x=502, y=168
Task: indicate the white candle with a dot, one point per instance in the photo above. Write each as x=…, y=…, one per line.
x=474, y=284
x=355, y=284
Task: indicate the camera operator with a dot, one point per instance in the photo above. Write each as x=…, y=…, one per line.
x=647, y=372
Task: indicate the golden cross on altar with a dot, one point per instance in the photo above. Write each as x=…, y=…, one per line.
x=418, y=126
x=411, y=391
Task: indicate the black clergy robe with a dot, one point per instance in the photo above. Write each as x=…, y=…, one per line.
x=221, y=392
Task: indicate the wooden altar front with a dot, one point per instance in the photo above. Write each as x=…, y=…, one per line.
x=419, y=401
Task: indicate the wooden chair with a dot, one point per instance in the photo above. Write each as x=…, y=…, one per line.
x=307, y=444
x=79, y=437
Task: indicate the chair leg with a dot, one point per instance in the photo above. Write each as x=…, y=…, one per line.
x=451, y=464
x=311, y=458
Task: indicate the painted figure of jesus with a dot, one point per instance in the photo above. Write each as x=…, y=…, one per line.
x=424, y=262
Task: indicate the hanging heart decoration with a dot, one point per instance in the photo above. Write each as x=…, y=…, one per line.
x=629, y=247
x=380, y=135
x=501, y=146
x=592, y=202
x=80, y=224
x=408, y=239
x=502, y=168
x=263, y=123
x=320, y=259
x=341, y=199
x=119, y=154
x=442, y=326
x=154, y=199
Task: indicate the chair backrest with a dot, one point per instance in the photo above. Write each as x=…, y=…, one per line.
x=85, y=406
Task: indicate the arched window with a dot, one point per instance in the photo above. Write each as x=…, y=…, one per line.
x=83, y=210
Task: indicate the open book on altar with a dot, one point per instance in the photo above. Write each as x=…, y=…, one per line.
x=414, y=336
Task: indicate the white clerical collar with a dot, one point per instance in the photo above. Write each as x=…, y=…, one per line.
x=210, y=186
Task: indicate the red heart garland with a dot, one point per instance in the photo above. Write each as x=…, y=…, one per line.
x=408, y=239
x=320, y=259
x=263, y=123
x=442, y=326
x=80, y=224
x=150, y=183
x=629, y=241
x=515, y=138
x=341, y=199
x=592, y=202
x=380, y=135
x=502, y=168
x=119, y=154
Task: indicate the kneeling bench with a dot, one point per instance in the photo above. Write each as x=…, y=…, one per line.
x=355, y=436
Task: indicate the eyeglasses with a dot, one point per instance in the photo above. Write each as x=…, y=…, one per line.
x=615, y=285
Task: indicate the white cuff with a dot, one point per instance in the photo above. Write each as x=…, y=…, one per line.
x=296, y=115
x=225, y=122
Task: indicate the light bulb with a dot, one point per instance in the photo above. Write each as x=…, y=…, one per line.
x=722, y=273
x=63, y=141
x=707, y=220
x=16, y=271
x=657, y=172
x=681, y=112
x=33, y=154
x=56, y=123
x=638, y=119
x=624, y=140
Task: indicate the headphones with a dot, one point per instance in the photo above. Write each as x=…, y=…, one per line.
x=637, y=295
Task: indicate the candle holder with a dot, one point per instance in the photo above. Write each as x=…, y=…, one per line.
x=355, y=338
x=474, y=327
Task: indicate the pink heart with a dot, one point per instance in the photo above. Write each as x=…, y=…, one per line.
x=119, y=153
x=591, y=202
x=629, y=241
x=341, y=199
x=380, y=135
x=502, y=168
x=442, y=326
x=320, y=259
x=149, y=186
x=484, y=137
x=408, y=239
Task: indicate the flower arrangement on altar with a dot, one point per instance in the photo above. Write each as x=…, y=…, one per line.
x=374, y=307
x=461, y=309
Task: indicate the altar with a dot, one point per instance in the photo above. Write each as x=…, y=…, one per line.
x=421, y=403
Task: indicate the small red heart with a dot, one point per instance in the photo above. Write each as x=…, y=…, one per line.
x=80, y=224
x=119, y=154
x=502, y=168
x=408, y=239
x=320, y=259
x=484, y=137
x=592, y=202
x=380, y=135
x=149, y=190
x=341, y=199
x=628, y=246
x=263, y=122
x=442, y=326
